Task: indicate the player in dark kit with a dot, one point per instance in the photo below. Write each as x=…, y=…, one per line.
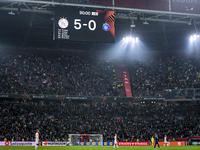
x=156, y=142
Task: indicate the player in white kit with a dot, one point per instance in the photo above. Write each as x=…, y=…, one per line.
x=37, y=139
x=165, y=141
x=115, y=141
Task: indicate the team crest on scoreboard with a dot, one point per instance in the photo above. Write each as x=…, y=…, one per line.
x=63, y=23
x=106, y=27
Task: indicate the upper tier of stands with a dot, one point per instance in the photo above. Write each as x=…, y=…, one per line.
x=94, y=76
x=48, y=74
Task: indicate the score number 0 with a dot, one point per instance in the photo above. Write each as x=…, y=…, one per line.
x=78, y=25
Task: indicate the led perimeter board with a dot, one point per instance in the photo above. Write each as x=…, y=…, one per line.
x=84, y=24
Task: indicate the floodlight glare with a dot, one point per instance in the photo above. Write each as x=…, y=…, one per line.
x=191, y=38
x=137, y=39
x=194, y=37
x=131, y=39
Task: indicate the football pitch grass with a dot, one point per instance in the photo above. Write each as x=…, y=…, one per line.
x=98, y=148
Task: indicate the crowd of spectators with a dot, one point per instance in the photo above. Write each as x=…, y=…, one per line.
x=94, y=76
x=89, y=76
x=10, y=75
x=151, y=77
x=131, y=121
x=60, y=74
x=43, y=74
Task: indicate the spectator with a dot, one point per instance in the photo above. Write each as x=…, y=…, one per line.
x=130, y=120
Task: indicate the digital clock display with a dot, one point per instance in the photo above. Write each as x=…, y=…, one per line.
x=82, y=24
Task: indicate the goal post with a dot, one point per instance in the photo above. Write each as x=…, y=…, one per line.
x=86, y=139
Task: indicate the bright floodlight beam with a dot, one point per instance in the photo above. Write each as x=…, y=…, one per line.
x=130, y=39
x=191, y=38
x=194, y=37
x=137, y=40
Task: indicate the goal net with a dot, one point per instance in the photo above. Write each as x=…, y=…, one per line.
x=86, y=139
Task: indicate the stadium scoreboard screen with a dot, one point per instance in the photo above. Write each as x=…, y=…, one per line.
x=84, y=24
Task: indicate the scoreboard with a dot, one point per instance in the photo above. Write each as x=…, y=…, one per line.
x=84, y=24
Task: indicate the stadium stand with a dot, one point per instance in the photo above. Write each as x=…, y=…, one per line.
x=42, y=74
x=89, y=76
x=93, y=76
x=150, y=79
x=130, y=120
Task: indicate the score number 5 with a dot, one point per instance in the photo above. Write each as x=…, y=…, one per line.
x=78, y=25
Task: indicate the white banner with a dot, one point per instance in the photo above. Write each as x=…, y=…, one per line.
x=2, y=143
x=27, y=143
x=17, y=143
x=51, y=143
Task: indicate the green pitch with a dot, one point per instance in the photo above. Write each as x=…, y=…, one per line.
x=98, y=148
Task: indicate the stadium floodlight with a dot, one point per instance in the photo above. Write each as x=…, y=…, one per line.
x=191, y=38
x=137, y=39
x=11, y=13
x=145, y=22
x=194, y=37
x=131, y=39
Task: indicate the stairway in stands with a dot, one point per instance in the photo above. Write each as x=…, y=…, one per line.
x=119, y=77
x=63, y=73
x=20, y=63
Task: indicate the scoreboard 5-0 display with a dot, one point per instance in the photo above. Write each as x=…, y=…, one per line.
x=83, y=24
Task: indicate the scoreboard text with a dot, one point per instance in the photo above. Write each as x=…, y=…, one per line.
x=82, y=24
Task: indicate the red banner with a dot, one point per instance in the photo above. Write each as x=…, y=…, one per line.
x=183, y=6
x=133, y=143
x=126, y=82
x=173, y=143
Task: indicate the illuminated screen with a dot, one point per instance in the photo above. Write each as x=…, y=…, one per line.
x=84, y=24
